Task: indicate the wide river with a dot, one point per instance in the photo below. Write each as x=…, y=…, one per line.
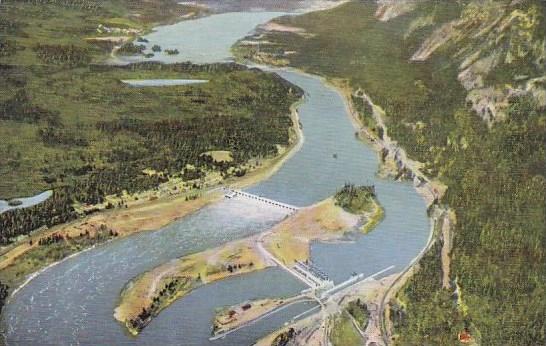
x=73, y=302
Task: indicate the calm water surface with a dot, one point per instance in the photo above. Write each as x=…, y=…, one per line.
x=73, y=302
x=25, y=201
x=206, y=40
x=162, y=82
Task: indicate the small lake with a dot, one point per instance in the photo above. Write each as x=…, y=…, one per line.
x=162, y=82
x=25, y=201
x=73, y=302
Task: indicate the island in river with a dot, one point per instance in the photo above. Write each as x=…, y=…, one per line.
x=112, y=170
x=288, y=242
x=328, y=166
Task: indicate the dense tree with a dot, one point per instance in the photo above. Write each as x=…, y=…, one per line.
x=497, y=189
x=4, y=292
x=174, y=146
x=7, y=47
x=130, y=48
x=20, y=108
x=55, y=210
x=70, y=55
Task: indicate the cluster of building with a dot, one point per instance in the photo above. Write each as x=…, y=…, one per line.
x=313, y=274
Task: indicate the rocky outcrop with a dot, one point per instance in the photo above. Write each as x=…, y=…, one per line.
x=439, y=38
x=489, y=37
x=446, y=236
x=389, y=9
x=395, y=162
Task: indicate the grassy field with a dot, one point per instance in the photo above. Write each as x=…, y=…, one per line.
x=343, y=332
x=51, y=249
x=156, y=289
x=94, y=97
x=495, y=174
x=51, y=74
x=290, y=240
x=36, y=251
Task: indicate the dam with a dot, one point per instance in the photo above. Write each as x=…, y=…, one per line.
x=230, y=193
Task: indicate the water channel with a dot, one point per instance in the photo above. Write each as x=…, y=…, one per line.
x=73, y=302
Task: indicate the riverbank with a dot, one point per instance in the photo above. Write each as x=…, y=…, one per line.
x=394, y=161
x=142, y=298
x=317, y=328
x=290, y=240
x=333, y=149
x=231, y=318
x=144, y=211
x=271, y=166
x=394, y=164
x=24, y=202
x=38, y=252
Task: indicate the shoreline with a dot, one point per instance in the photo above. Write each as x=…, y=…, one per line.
x=203, y=11
x=260, y=309
x=273, y=165
x=137, y=295
x=426, y=190
x=268, y=168
x=195, y=269
x=34, y=274
x=51, y=265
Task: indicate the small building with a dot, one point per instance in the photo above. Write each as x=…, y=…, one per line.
x=465, y=337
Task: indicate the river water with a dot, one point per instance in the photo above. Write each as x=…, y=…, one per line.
x=143, y=83
x=25, y=201
x=73, y=302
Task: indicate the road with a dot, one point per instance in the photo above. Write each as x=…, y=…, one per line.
x=297, y=300
x=272, y=259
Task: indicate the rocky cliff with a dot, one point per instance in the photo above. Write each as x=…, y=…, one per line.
x=500, y=47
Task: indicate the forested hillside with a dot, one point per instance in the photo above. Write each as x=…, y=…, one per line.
x=463, y=87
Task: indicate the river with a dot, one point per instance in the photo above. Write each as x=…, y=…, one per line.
x=73, y=302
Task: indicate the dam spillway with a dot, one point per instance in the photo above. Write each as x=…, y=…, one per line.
x=231, y=193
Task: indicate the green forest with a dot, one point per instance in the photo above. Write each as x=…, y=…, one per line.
x=355, y=199
x=495, y=173
x=70, y=124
